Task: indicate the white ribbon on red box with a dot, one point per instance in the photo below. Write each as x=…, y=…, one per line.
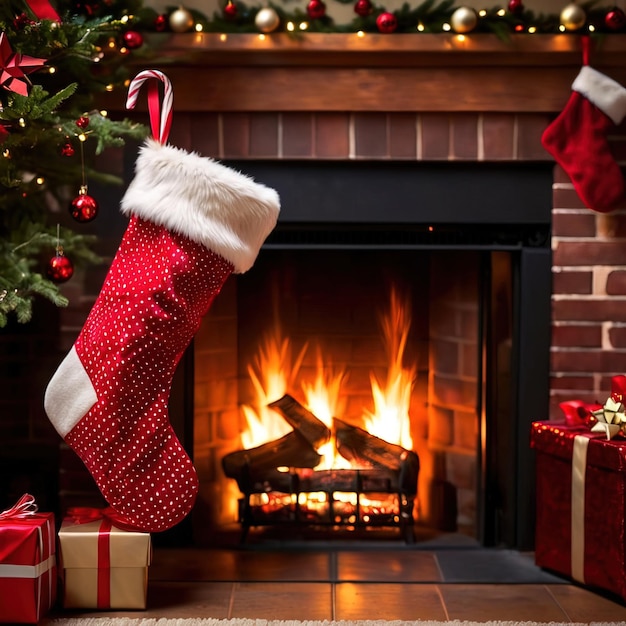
x=27, y=571
x=579, y=469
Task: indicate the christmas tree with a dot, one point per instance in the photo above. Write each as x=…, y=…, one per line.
x=54, y=61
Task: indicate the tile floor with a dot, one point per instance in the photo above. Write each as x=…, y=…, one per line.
x=382, y=581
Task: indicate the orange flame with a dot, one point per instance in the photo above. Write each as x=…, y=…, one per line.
x=274, y=373
x=324, y=401
x=390, y=419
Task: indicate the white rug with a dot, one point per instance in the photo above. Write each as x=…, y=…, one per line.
x=127, y=621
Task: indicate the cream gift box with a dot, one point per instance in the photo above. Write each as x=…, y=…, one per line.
x=102, y=566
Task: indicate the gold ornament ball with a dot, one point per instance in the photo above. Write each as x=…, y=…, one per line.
x=573, y=17
x=181, y=20
x=464, y=20
x=267, y=20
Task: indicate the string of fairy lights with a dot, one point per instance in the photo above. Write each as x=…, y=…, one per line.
x=428, y=17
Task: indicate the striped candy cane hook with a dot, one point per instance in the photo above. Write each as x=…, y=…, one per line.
x=160, y=119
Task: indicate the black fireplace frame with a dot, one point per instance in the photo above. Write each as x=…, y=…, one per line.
x=490, y=207
x=493, y=208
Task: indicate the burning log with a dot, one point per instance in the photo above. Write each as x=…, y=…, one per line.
x=302, y=421
x=367, y=450
x=380, y=492
x=246, y=466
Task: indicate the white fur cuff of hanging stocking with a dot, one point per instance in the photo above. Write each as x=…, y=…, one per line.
x=224, y=210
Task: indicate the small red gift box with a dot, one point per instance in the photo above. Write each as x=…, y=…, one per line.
x=28, y=572
x=581, y=504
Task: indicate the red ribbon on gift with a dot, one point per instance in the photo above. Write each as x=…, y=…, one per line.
x=618, y=388
x=24, y=507
x=579, y=413
x=85, y=515
x=43, y=10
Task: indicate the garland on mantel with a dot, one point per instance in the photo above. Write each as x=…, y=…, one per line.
x=428, y=17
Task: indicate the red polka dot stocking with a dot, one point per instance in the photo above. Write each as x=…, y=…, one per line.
x=192, y=222
x=577, y=139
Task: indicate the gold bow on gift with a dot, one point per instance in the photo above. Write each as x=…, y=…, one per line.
x=611, y=417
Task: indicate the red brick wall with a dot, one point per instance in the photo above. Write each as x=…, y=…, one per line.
x=589, y=294
x=373, y=136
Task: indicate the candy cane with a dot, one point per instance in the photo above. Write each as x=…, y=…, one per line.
x=160, y=122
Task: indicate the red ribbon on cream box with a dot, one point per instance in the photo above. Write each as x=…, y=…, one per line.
x=28, y=570
x=103, y=566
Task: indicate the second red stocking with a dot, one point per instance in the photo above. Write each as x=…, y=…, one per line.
x=577, y=139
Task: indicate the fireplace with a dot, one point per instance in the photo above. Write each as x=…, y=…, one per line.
x=350, y=238
x=421, y=155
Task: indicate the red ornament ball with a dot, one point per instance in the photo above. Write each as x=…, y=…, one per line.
x=160, y=23
x=84, y=208
x=387, y=22
x=21, y=21
x=132, y=39
x=615, y=19
x=67, y=150
x=230, y=10
x=60, y=268
x=516, y=6
x=363, y=7
x=316, y=9
x=82, y=122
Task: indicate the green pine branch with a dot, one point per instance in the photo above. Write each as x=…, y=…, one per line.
x=43, y=161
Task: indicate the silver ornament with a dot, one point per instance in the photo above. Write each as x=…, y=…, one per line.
x=267, y=20
x=181, y=20
x=464, y=20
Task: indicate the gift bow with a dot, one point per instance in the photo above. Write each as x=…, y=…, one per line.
x=24, y=507
x=612, y=416
x=579, y=413
x=14, y=67
x=86, y=514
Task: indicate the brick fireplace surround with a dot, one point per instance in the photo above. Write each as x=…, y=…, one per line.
x=426, y=98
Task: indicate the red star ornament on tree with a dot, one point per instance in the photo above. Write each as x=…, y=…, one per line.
x=14, y=67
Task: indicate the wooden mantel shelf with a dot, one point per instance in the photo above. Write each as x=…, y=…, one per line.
x=348, y=72
x=382, y=50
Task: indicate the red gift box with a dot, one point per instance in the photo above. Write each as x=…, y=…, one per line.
x=28, y=572
x=581, y=504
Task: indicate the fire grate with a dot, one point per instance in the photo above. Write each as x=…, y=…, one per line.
x=280, y=485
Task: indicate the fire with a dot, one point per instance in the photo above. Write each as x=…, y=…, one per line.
x=390, y=420
x=275, y=372
x=272, y=373
x=323, y=400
